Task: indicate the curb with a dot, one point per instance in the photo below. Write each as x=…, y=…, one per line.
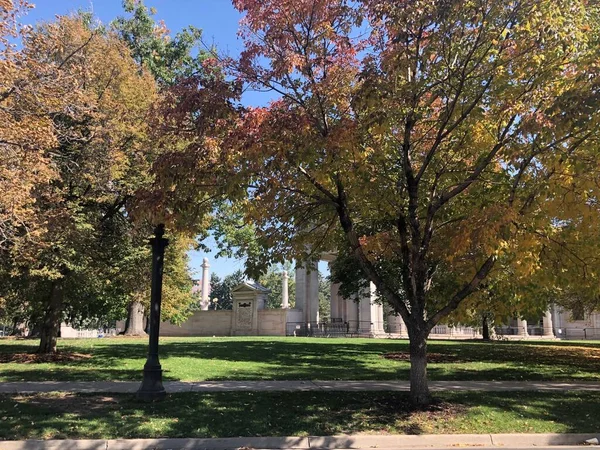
x=358, y=441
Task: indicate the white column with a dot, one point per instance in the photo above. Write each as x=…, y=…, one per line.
x=376, y=312
x=522, y=327
x=300, y=288
x=335, y=301
x=396, y=324
x=285, y=298
x=307, y=292
x=370, y=312
x=343, y=308
x=352, y=314
x=547, y=323
x=205, y=285
x=313, y=294
x=364, y=311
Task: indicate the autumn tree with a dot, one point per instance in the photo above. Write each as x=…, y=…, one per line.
x=167, y=58
x=75, y=148
x=32, y=92
x=438, y=143
x=99, y=160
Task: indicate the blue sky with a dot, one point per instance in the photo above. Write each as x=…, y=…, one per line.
x=217, y=18
x=219, y=22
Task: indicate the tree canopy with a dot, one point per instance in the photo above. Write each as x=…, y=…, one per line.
x=75, y=148
x=440, y=144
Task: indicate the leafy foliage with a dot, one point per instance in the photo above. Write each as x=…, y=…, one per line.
x=273, y=280
x=221, y=289
x=168, y=59
x=32, y=92
x=442, y=144
x=76, y=148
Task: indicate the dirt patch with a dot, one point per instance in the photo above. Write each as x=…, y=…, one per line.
x=420, y=421
x=569, y=351
x=392, y=414
x=431, y=357
x=34, y=358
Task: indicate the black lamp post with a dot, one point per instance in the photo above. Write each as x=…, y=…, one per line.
x=152, y=388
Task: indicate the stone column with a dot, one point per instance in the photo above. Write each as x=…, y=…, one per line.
x=376, y=312
x=364, y=312
x=343, y=308
x=396, y=324
x=204, y=302
x=335, y=301
x=352, y=314
x=522, y=327
x=285, y=297
x=300, y=288
x=307, y=292
x=547, y=323
x=313, y=294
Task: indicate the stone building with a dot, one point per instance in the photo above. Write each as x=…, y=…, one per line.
x=363, y=315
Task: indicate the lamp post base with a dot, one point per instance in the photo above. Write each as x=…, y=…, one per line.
x=152, y=389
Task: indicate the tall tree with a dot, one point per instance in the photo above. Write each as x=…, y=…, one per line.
x=167, y=58
x=32, y=92
x=437, y=143
x=98, y=164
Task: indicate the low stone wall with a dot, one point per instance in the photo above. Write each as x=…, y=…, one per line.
x=271, y=322
x=201, y=323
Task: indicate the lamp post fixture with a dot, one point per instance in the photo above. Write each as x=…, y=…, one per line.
x=152, y=388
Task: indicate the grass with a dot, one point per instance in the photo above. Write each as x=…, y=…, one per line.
x=60, y=416
x=198, y=359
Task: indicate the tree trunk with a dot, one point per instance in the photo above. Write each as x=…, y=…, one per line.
x=34, y=331
x=50, y=326
x=419, y=389
x=485, y=329
x=134, y=326
x=17, y=328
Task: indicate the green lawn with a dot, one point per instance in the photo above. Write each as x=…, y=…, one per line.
x=229, y=414
x=196, y=359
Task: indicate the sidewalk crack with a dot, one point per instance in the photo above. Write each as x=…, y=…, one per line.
x=317, y=385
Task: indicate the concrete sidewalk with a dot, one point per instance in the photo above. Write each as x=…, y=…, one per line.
x=291, y=386
x=357, y=441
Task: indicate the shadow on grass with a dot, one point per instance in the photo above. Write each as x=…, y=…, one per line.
x=306, y=358
x=291, y=414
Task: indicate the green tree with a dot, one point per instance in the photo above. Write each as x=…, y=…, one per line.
x=221, y=289
x=167, y=58
x=273, y=280
x=134, y=278
x=324, y=298
x=235, y=238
